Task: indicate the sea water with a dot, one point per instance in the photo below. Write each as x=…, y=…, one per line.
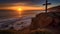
x=13, y=19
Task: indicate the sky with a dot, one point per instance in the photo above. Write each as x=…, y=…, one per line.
x=26, y=4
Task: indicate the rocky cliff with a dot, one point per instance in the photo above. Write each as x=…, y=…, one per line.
x=50, y=20
x=54, y=9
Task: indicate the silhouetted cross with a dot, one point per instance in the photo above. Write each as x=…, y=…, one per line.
x=46, y=5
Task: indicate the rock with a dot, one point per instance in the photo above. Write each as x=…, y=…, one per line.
x=54, y=9
x=49, y=21
x=41, y=20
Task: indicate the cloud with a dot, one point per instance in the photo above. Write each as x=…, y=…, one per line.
x=19, y=4
x=7, y=3
x=36, y=3
x=4, y=3
x=14, y=1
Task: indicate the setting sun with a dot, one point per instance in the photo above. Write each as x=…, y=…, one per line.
x=19, y=9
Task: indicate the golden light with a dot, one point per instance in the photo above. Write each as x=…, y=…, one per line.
x=19, y=9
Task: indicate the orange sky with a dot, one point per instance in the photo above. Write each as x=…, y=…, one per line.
x=23, y=8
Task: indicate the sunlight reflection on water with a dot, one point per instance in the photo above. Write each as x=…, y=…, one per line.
x=16, y=14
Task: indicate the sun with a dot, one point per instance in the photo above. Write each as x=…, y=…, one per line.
x=19, y=9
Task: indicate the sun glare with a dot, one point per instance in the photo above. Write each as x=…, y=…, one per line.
x=19, y=9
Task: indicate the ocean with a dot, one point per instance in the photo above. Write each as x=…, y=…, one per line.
x=16, y=20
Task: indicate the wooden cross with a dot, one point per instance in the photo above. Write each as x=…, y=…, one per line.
x=46, y=5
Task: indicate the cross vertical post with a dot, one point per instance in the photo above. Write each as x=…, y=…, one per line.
x=46, y=6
